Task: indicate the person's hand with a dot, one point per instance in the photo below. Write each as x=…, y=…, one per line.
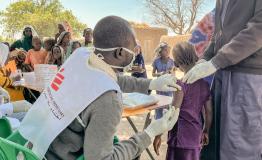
x=164, y=83
x=199, y=71
x=6, y=109
x=157, y=144
x=138, y=69
x=166, y=123
x=204, y=139
x=21, y=106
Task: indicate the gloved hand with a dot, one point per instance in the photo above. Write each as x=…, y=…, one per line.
x=164, y=83
x=6, y=109
x=21, y=106
x=163, y=124
x=199, y=71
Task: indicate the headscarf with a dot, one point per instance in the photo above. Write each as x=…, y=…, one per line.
x=203, y=32
x=61, y=37
x=62, y=54
x=62, y=24
x=4, y=51
x=34, y=33
x=59, y=42
x=159, y=48
x=25, y=42
x=66, y=26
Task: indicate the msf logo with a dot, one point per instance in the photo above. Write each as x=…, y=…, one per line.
x=58, y=80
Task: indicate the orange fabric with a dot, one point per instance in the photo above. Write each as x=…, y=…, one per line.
x=4, y=81
x=11, y=65
x=16, y=94
x=35, y=57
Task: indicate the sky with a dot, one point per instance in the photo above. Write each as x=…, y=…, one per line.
x=90, y=11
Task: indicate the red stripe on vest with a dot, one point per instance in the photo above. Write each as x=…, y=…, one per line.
x=57, y=81
x=55, y=87
x=60, y=76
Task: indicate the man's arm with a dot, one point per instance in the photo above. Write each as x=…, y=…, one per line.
x=131, y=84
x=102, y=126
x=244, y=44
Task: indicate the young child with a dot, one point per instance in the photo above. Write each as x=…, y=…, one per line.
x=187, y=137
x=49, y=44
x=163, y=64
x=37, y=55
x=56, y=56
x=139, y=64
x=75, y=45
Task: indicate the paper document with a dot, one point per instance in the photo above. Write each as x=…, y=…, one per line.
x=137, y=100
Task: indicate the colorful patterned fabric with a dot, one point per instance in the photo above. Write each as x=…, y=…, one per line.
x=203, y=32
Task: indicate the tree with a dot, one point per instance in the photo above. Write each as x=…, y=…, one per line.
x=177, y=15
x=43, y=15
x=5, y=39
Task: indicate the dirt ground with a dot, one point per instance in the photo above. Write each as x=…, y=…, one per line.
x=125, y=130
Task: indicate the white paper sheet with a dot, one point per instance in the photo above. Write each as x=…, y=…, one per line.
x=136, y=100
x=44, y=73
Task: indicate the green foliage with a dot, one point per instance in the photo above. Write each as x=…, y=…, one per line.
x=6, y=39
x=43, y=15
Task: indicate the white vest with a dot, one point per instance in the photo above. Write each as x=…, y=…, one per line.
x=74, y=88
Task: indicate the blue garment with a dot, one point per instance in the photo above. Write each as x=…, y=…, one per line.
x=162, y=67
x=139, y=61
x=209, y=79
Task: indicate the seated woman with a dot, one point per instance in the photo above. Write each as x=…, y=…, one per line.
x=64, y=42
x=19, y=56
x=56, y=56
x=25, y=42
x=61, y=28
x=5, y=79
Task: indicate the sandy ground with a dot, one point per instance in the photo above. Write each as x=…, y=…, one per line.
x=125, y=130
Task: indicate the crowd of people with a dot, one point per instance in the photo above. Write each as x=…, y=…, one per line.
x=218, y=119
x=31, y=50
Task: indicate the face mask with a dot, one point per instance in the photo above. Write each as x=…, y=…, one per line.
x=125, y=68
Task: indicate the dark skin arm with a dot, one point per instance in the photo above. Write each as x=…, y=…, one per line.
x=208, y=122
x=177, y=102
